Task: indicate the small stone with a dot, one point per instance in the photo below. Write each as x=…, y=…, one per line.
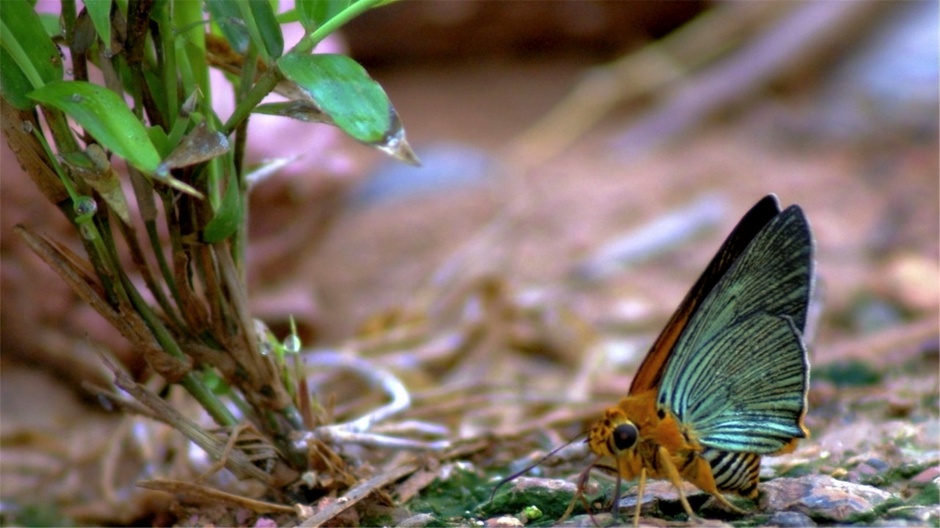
x=601, y=519
x=504, y=521
x=927, y=476
x=866, y=472
x=821, y=497
x=894, y=523
x=929, y=515
x=789, y=519
x=454, y=468
x=659, y=491
x=417, y=521
x=524, y=484
x=877, y=463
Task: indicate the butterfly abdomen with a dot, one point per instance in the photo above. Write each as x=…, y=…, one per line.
x=733, y=472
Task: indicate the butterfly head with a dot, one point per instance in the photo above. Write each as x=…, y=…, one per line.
x=613, y=435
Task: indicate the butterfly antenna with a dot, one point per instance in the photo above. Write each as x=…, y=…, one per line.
x=518, y=474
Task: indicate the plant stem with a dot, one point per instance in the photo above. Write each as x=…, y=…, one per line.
x=189, y=381
x=309, y=42
x=259, y=91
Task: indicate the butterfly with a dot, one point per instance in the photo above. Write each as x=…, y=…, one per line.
x=725, y=382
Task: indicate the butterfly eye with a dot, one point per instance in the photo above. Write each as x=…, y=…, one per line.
x=625, y=436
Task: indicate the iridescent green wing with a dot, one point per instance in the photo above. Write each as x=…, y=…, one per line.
x=650, y=373
x=738, y=375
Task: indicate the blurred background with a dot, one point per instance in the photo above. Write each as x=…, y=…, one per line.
x=582, y=161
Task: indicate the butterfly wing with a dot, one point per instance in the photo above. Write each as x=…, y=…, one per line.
x=738, y=374
x=650, y=373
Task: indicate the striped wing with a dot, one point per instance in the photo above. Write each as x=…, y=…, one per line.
x=650, y=373
x=736, y=472
x=738, y=374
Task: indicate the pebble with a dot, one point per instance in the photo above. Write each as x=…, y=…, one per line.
x=821, y=497
x=929, y=515
x=265, y=522
x=600, y=520
x=525, y=484
x=931, y=474
x=504, y=521
x=657, y=490
x=417, y=521
x=866, y=471
x=789, y=519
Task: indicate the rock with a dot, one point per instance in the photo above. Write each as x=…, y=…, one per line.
x=660, y=491
x=504, y=521
x=265, y=522
x=869, y=470
x=821, y=497
x=788, y=519
x=929, y=515
x=660, y=498
x=598, y=520
x=417, y=521
x=551, y=496
x=548, y=484
x=931, y=474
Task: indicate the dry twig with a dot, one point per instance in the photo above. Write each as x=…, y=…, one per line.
x=357, y=493
x=206, y=495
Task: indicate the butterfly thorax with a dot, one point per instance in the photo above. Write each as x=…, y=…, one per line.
x=613, y=434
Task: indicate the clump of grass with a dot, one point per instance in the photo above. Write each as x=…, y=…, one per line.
x=184, y=232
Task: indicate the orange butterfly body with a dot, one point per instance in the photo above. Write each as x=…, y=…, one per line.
x=725, y=383
x=664, y=449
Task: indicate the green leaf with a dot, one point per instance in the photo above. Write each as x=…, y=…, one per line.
x=264, y=29
x=344, y=91
x=100, y=13
x=228, y=17
x=160, y=140
x=13, y=83
x=314, y=13
x=50, y=22
x=29, y=59
x=228, y=218
x=106, y=117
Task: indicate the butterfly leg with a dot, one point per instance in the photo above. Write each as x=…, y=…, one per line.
x=700, y=473
x=639, y=497
x=676, y=480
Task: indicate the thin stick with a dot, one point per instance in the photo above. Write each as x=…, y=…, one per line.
x=357, y=493
x=206, y=495
x=236, y=462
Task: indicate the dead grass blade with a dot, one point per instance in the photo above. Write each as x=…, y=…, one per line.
x=357, y=493
x=235, y=461
x=211, y=496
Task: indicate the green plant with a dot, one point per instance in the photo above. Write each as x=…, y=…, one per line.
x=153, y=109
